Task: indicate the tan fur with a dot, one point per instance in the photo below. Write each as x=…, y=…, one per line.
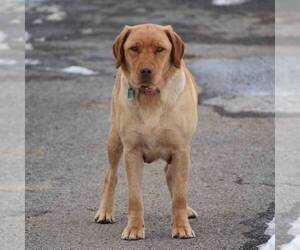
x=149, y=128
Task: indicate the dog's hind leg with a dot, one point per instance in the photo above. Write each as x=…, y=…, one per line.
x=191, y=213
x=114, y=152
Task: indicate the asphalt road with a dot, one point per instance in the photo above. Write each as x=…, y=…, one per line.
x=231, y=183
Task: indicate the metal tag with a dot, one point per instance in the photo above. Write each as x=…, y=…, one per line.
x=130, y=94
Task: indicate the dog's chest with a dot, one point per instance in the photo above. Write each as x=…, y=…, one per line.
x=154, y=138
x=154, y=149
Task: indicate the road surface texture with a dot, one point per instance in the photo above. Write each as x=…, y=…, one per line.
x=231, y=183
x=12, y=121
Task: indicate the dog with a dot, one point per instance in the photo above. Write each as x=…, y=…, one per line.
x=153, y=116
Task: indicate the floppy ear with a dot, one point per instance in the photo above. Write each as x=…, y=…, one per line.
x=177, y=46
x=118, y=48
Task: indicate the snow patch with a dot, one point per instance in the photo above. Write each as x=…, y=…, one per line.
x=15, y=21
x=295, y=231
x=7, y=62
x=56, y=17
x=88, y=31
x=9, y=6
x=3, y=46
x=27, y=36
x=270, y=245
x=3, y=36
x=28, y=46
x=55, y=14
x=37, y=21
x=287, y=76
x=293, y=245
x=78, y=71
x=48, y=9
x=31, y=62
x=228, y=2
x=17, y=186
x=41, y=39
x=271, y=227
x=245, y=76
x=19, y=39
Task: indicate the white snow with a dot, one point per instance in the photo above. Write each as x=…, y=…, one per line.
x=37, y=21
x=270, y=245
x=7, y=62
x=31, y=62
x=41, y=39
x=9, y=6
x=57, y=16
x=15, y=21
x=78, y=71
x=28, y=46
x=3, y=45
x=295, y=231
x=293, y=245
x=2, y=36
x=87, y=31
x=287, y=75
x=27, y=36
x=271, y=227
x=48, y=9
x=19, y=39
x=227, y=2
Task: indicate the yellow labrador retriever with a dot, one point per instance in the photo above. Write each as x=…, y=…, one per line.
x=154, y=116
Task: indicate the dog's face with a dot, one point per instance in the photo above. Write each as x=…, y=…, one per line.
x=146, y=52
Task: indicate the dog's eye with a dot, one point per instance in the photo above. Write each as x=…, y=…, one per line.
x=159, y=49
x=134, y=48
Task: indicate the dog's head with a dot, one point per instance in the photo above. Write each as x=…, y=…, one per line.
x=146, y=52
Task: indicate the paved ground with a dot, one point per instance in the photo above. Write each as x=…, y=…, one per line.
x=232, y=176
x=12, y=120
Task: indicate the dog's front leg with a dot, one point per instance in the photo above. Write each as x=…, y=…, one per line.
x=179, y=172
x=134, y=170
x=114, y=152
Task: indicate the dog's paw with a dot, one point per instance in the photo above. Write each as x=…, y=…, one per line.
x=103, y=217
x=182, y=232
x=133, y=233
x=191, y=213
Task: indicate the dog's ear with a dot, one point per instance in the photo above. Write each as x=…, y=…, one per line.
x=177, y=46
x=118, y=46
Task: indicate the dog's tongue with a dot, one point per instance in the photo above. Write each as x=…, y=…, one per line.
x=150, y=91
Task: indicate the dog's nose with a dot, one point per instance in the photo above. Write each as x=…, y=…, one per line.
x=145, y=72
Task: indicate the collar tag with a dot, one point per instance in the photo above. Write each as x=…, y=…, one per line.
x=130, y=94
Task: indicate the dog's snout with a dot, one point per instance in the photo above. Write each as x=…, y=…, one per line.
x=146, y=72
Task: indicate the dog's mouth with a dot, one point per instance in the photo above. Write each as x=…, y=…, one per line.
x=147, y=90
